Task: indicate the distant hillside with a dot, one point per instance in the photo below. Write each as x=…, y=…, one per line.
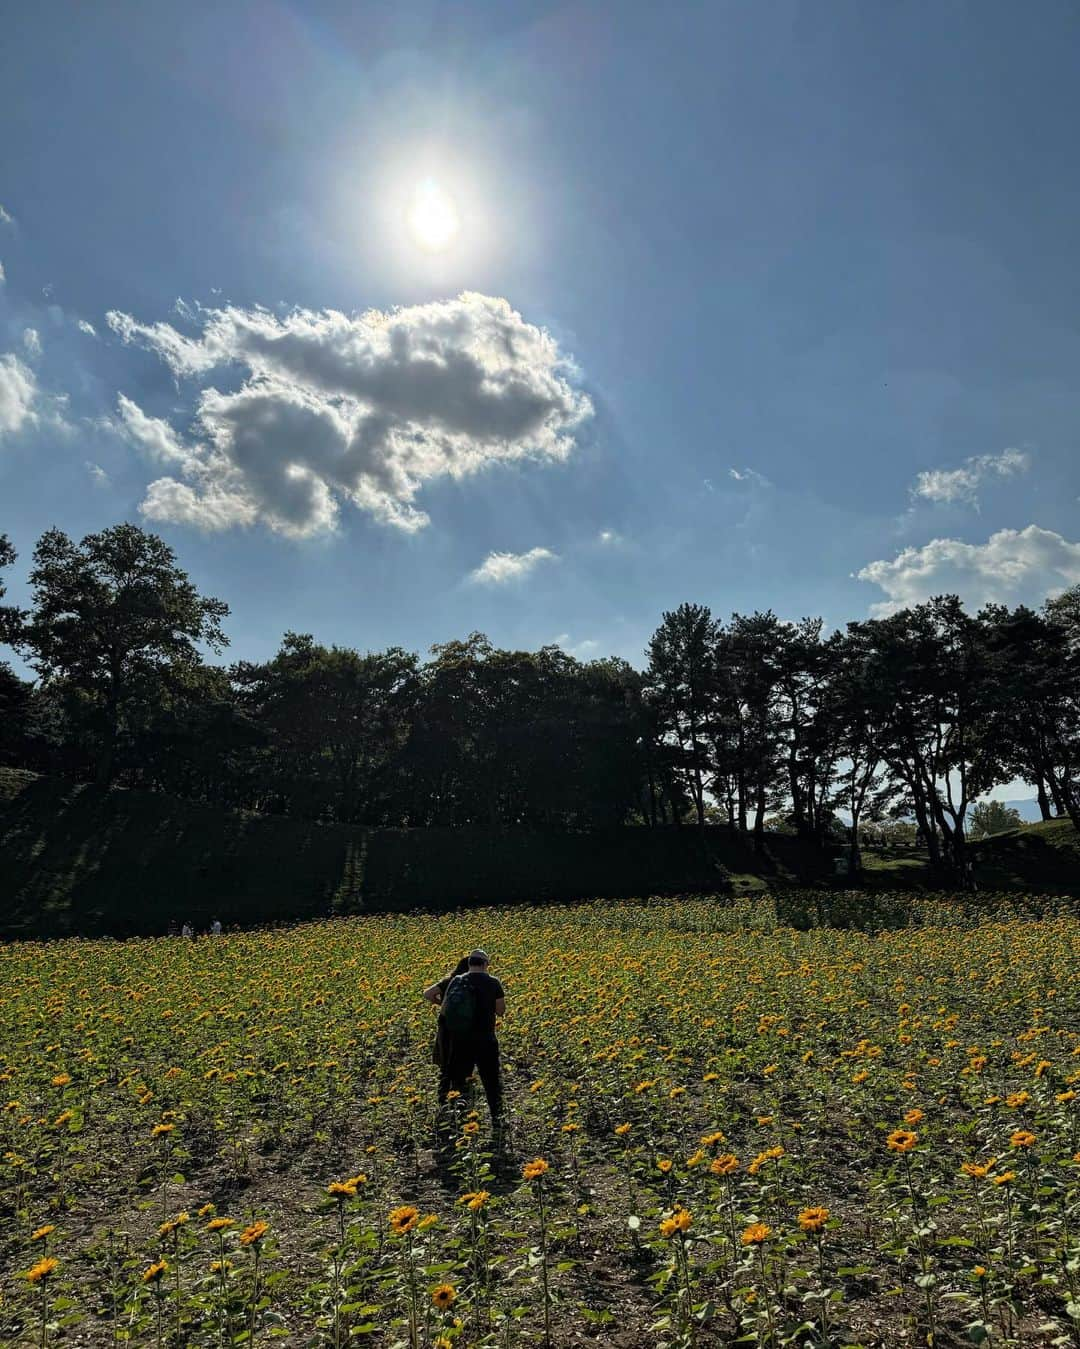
x=1038, y=857
x=76, y=858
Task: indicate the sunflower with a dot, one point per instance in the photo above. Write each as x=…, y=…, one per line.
x=622, y=1129
x=756, y=1234
x=341, y=1189
x=679, y=1221
x=404, y=1219
x=813, y=1219
x=901, y=1140
x=444, y=1296
x=475, y=1200
x=42, y=1270
x=1005, y=1178
x=153, y=1273
x=220, y=1224
x=914, y=1117
x=252, y=1235
x=535, y=1169
x=1022, y=1138
x=978, y=1170
x=725, y=1164
x=42, y=1232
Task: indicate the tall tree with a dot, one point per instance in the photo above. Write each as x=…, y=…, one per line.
x=334, y=720
x=10, y=617
x=113, y=617
x=681, y=681
x=930, y=666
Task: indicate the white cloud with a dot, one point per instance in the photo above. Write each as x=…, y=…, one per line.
x=6, y=218
x=31, y=342
x=609, y=537
x=97, y=474
x=153, y=435
x=748, y=475
x=361, y=408
x=3, y=274
x=1012, y=567
x=18, y=389
x=170, y=502
x=499, y=568
x=583, y=650
x=87, y=328
x=962, y=484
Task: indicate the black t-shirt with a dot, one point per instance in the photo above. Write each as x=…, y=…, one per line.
x=486, y=989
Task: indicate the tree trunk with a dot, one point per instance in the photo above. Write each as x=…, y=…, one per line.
x=854, y=849
x=1044, y=800
x=759, y=818
x=107, y=762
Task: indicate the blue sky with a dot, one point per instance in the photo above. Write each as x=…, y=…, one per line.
x=764, y=305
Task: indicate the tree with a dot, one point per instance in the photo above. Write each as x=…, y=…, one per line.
x=931, y=669
x=10, y=617
x=1036, y=660
x=680, y=680
x=992, y=817
x=114, y=618
x=334, y=721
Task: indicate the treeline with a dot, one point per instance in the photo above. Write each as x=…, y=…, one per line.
x=743, y=722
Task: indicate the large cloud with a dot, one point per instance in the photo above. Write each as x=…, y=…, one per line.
x=962, y=484
x=18, y=389
x=1012, y=567
x=362, y=408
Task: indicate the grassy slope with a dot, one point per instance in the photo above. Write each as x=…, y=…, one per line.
x=1041, y=858
x=76, y=858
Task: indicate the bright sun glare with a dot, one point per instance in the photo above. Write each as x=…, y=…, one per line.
x=432, y=217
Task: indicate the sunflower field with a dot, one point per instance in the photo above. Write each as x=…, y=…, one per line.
x=724, y=1128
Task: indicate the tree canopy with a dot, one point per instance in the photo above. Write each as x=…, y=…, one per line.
x=912, y=717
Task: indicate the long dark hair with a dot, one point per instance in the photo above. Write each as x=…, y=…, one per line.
x=462, y=967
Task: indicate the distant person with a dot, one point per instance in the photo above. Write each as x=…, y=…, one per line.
x=172, y=929
x=469, y=1001
x=216, y=928
x=187, y=930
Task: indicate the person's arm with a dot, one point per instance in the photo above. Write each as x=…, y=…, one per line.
x=500, y=1002
x=434, y=994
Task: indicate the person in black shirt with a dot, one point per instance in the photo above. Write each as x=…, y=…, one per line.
x=478, y=1048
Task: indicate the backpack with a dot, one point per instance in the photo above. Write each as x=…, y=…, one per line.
x=459, y=1006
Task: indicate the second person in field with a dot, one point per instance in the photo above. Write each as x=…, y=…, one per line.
x=469, y=1003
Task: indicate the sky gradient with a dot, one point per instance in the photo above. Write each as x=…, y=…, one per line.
x=761, y=306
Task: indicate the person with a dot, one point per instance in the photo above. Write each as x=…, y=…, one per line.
x=215, y=928
x=441, y=1047
x=187, y=930
x=476, y=998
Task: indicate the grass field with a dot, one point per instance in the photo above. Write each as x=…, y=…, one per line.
x=723, y=1131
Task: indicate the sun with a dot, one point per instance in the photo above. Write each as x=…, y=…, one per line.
x=432, y=217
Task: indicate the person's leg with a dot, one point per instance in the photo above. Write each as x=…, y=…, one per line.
x=487, y=1064
x=456, y=1066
